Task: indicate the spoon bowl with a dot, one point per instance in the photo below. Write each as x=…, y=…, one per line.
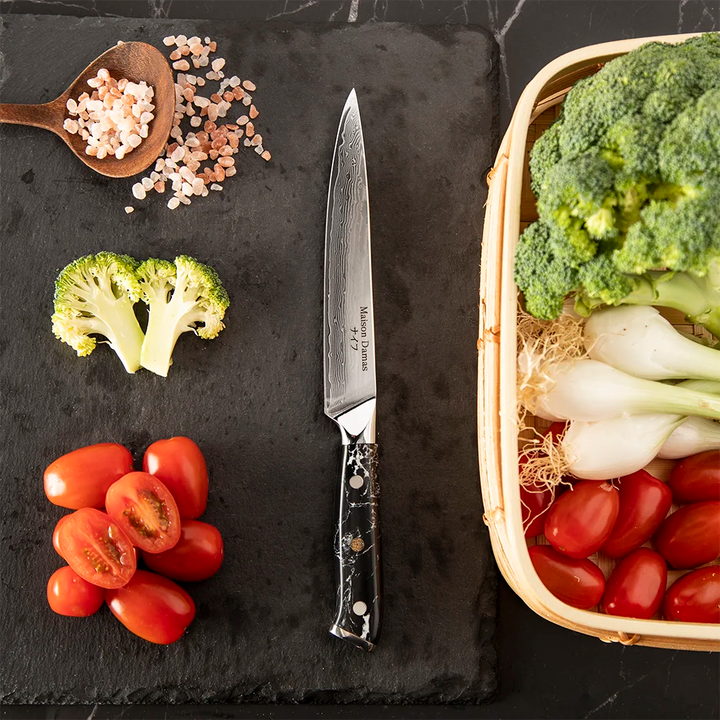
x=135, y=61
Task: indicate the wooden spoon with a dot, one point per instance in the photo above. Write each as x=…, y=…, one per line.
x=135, y=61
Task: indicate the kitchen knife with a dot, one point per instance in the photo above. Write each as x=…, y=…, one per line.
x=350, y=391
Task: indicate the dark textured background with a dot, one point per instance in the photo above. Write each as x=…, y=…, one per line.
x=252, y=398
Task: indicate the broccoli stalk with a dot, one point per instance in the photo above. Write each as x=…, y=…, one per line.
x=184, y=296
x=696, y=297
x=94, y=295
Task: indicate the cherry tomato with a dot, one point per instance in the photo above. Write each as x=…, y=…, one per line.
x=579, y=583
x=695, y=597
x=180, y=464
x=68, y=594
x=696, y=478
x=636, y=586
x=96, y=548
x=197, y=555
x=152, y=607
x=580, y=521
x=56, y=535
x=691, y=535
x=81, y=478
x=146, y=511
x=644, y=503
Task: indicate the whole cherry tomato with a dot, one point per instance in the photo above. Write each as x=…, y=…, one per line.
x=96, y=548
x=695, y=597
x=152, y=607
x=197, y=555
x=579, y=583
x=180, y=464
x=644, y=503
x=580, y=521
x=68, y=594
x=691, y=535
x=56, y=535
x=636, y=586
x=696, y=478
x=145, y=510
x=81, y=478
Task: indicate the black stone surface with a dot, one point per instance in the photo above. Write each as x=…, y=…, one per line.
x=252, y=398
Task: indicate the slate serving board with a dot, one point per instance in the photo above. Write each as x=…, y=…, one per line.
x=252, y=398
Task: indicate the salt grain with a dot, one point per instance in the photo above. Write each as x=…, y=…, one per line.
x=138, y=191
x=173, y=202
x=215, y=186
x=129, y=209
x=169, y=40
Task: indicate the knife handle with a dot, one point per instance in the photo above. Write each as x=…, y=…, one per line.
x=357, y=548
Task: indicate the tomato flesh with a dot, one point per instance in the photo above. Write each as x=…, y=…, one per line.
x=636, y=586
x=644, y=503
x=152, y=607
x=146, y=511
x=580, y=521
x=579, y=583
x=81, y=478
x=179, y=463
x=197, y=555
x=68, y=594
x=96, y=548
x=695, y=597
x=691, y=535
x=696, y=478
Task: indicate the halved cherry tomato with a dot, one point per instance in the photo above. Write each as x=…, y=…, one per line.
x=179, y=463
x=68, y=594
x=56, y=535
x=636, y=586
x=152, y=607
x=644, y=503
x=691, y=535
x=81, y=478
x=579, y=583
x=696, y=478
x=580, y=521
x=197, y=555
x=695, y=597
x=146, y=511
x=96, y=548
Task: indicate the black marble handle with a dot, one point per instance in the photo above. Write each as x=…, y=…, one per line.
x=357, y=548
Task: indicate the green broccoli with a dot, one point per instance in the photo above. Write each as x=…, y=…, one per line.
x=183, y=296
x=94, y=295
x=627, y=182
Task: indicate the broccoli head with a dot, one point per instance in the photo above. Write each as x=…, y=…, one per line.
x=184, y=296
x=94, y=295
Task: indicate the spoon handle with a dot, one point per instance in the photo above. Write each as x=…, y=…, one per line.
x=47, y=116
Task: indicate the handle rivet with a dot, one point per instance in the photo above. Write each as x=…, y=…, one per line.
x=356, y=482
x=359, y=608
x=357, y=544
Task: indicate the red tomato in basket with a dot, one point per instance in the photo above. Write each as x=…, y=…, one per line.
x=696, y=478
x=68, y=594
x=535, y=499
x=691, y=535
x=636, y=586
x=579, y=583
x=96, y=548
x=644, y=503
x=152, y=607
x=197, y=555
x=695, y=597
x=146, y=511
x=581, y=520
x=180, y=465
x=82, y=477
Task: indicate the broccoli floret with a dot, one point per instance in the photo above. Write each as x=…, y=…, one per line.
x=184, y=296
x=544, y=278
x=628, y=180
x=94, y=295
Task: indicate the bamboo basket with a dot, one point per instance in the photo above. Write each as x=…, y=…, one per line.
x=511, y=207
